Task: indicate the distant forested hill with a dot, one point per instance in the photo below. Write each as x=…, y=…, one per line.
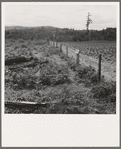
x=65, y=34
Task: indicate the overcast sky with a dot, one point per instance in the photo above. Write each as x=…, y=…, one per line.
x=64, y=15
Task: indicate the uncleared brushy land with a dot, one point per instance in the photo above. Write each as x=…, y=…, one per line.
x=38, y=72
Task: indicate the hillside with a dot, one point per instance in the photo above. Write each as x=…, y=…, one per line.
x=61, y=35
x=25, y=27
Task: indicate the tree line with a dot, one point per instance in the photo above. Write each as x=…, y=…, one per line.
x=60, y=35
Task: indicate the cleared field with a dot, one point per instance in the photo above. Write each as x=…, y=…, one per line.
x=94, y=48
x=89, y=52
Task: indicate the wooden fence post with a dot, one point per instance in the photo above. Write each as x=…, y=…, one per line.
x=60, y=47
x=99, y=69
x=77, y=58
x=67, y=51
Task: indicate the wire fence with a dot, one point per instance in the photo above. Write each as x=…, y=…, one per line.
x=106, y=69
x=75, y=54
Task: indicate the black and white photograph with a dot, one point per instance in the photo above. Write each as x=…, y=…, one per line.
x=60, y=58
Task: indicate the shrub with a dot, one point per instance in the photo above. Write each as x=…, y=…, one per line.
x=16, y=47
x=112, y=97
x=104, y=90
x=60, y=79
x=21, y=41
x=24, y=80
x=86, y=74
x=45, y=80
x=69, y=102
x=36, y=59
x=94, y=78
x=30, y=53
x=23, y=45
x=72, y=65
x=41, y=42
x=63, y=56
x=46, y=54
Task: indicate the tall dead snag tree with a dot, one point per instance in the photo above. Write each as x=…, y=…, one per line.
x=89, y=21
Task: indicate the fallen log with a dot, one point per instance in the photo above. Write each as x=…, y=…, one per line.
x=15, y=68
x=17, y=60
x=23, y=104
x=30, y=64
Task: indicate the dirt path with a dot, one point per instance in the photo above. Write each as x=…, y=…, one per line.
x=56, y=59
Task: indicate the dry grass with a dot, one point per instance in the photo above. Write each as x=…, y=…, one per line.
x=63, y=95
